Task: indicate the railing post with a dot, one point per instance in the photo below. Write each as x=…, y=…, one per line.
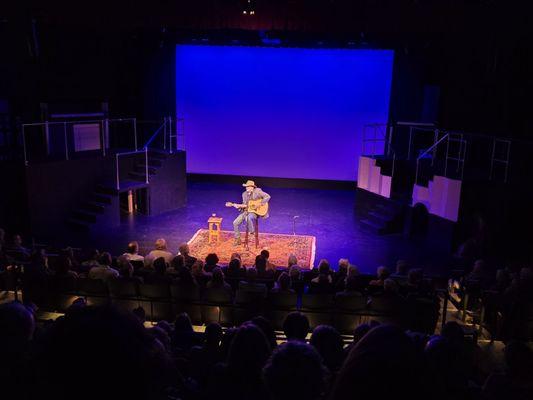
x=146, y=163
x=117, y=173
x=47, y=137
x=170, y=133
x=24, y=146
x=164, y=133
x=102, y=135
x=135, y=132
x=65, y=138
x=410, y=139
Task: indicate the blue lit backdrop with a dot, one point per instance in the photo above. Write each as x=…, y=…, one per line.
x=279, y=112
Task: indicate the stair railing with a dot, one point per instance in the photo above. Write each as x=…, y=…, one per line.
x=429, y=149
x=162, y=127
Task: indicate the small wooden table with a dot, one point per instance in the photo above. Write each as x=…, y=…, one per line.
x=214, y=228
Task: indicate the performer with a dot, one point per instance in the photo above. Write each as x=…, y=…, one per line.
x=252, y=195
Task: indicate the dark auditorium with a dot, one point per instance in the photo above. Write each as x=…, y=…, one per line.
x=266, y=200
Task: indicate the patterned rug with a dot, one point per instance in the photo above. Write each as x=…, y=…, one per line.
x=280, y=247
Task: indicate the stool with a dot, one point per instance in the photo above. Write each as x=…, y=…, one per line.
x=256, y=229
x=214, y=228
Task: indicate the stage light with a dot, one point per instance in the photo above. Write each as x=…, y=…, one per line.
x=249, y=8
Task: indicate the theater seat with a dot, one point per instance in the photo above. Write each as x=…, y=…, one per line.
x=186, y=299
x=217, y=307
x=156, y=298
x=318, y=308
x=349, y=310
x=94, y=290
x=278, y=306
x=124, y=294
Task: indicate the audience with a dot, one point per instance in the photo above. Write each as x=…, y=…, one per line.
x=283, y=285
x=296, y=326
x=329, y=344
x=211, y=262
x=269, y=266
x=217, y=281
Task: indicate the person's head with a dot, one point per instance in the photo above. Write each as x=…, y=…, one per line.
x=235, y=256
x=360, y=331
x=234, y=265
x=284, y=281
x=17, y=240
x=249, y=350
x=265, y=253
x=64, y=265
x=184, y=249
x=267, y=329
x=294, y=272
x=16, y=328
x=116, y=342
x=295, y=371
x=479, y=266
x=133, y=247
x=518, y=358
x=383, y=364
x=251, y=274
x=414, y=276
x=218, y=276
x=344, y=263
x=197, y=268
x=140, y=314
x=353, y=271
x=389, y=286
x=183, y=323
x=402, y=267
x=178, y=262
x=213, y=334
x=329, y=344
x=94, y=255
x=249, y=186
x=323, y=267
x=211, y=259
x=296, y=326
x=105, y=259
x=292, y=261
x=260, y=263
x=382, y=273
x=161, y=244
x=160, y=266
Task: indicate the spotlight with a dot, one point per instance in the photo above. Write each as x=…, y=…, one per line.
x=249, y=7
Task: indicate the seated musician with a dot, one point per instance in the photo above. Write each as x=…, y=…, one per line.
x=252, y=193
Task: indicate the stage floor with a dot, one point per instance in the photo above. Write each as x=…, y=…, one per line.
x=326, y=214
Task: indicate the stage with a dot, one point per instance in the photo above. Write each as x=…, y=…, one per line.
x=326, y=214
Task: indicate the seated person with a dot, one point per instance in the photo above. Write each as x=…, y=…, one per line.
x=132, y=252
x=269, y=265
x=354, y=281
x=200, y=276
x=217, y=280
x=159, y=251
x=250, y=283
x=376, y=285
x=340, y=275
x=261, y=267
x=283, y=285
x=104, y=270
x=159, y=273
x=187, y=258
x=297, y=282
x=211, y=262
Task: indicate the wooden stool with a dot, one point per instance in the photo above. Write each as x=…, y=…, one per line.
x=214, y=228
x=256, y=228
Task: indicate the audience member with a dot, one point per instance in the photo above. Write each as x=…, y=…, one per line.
x=269, y=266
x=211, y=262
x=283, y=285
x=159, y=251
x=103, y=271
x=329, y=344
x=188, y=260
x=296, y=326
x=132, y=252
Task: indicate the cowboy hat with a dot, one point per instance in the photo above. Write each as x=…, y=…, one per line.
x=249, y=183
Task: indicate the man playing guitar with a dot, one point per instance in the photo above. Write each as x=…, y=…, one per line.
x=254, y=205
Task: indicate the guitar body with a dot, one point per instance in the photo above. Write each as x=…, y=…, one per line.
x=253, y=206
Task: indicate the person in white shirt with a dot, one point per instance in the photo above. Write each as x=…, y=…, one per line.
x=132, y=253
x=160, y=251
x=104, y=270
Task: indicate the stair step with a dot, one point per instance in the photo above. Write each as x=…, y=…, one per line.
x=100, y=198
x=93, y=206
x=378, y=216
x=84, y=215
x=79, y=224
x=139, y=176
x=142, y=169
x=373, y=226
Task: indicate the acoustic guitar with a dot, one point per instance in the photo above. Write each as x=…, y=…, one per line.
x=253, y=206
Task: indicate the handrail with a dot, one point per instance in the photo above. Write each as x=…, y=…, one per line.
x=154, y=135
x=432, y=147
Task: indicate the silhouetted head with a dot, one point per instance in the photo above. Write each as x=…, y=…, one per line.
x=296, y=326
x=295, y=371
x=329, y=344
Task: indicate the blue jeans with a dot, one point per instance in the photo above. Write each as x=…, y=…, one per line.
x=249, y=218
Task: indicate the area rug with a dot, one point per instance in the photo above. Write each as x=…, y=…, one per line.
x=280, y=247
